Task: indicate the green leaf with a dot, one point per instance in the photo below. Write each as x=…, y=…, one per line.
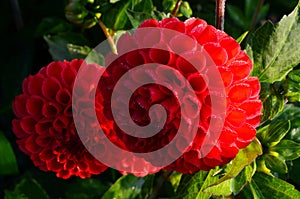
x=292, y=86
x=241, y=38
x=272, y=187
x=168, y=5
x=222, y=189
x=58, y=44
x=288, y=149
x=28, y=188
x=271, y=134
x=136, y=18
x=85, y=52
x=185, y=9
x=127, y=186
x=242, y=179
x=256, y=193
x=271, y=97
x=175, y=180
x=275, y=163
x=192, y=186
x=295, y=134
x=245, y=157
x=275, y=48
x=85, y=189
x=236, y=15
x=115, y=17
x=8, y=162
x=52, y=25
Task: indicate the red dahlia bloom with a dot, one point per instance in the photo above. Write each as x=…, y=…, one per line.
x=45, y=128
x=242, y=105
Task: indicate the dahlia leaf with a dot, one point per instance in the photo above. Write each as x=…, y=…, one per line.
x=270, y=97
x=175, y=180
x=275, y=163
x=244, y=158
x=117, y=19
x=242, y=179
x=241, y=38
x=288, y=149
x=292, y=86
x=271, y=134
x=222, y=189
x=272, y=187
x=58, y=44
x=85, y=52
x=256, y=193
x=30, y=188
x=8, y=162
x=275, y=48
x=192, y=186
x=127, y=186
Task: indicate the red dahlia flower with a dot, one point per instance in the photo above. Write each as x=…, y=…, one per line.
x=241, y=93
x=45, y=128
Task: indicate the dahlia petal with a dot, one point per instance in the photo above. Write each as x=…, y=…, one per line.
x=51, y=109
x=18, y=130
x=53, y=165
x=236, y=117
x=46, y=154
x=42, y=127
x=31, y=145
x=197, y=82
x=191, y=62
x=50, y=87
x=35, y=84
x=240, y=69
x=239, y=93
x=167, y=20
x=63, y=96
x=34, y=106
x=68, y=76
x=209, y=34
x=252, y=108
x=216, y=53
x=160, y=56
x=18, y=105
x=226, y=76
x=134, y=58
x=191, y=23
x=125, y=44
x=149, y=23
x=43, y=141
x=27, y=124
x=54, y=69
x=254, y=85
x=231, y=46
x=180, y=44
x=254, y=121
x=246, y=134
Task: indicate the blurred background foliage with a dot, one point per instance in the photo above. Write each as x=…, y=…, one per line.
x=35, y=32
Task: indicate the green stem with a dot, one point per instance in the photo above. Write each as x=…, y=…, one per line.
x=175, y=10
x=220, y=13
x=108, y=36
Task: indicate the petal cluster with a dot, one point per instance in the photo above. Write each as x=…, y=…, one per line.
x=44, y=126
x=242, y=105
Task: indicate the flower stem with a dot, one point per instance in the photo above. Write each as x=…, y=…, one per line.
x=220, y=13
x=108, y=36
x=175, y=10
